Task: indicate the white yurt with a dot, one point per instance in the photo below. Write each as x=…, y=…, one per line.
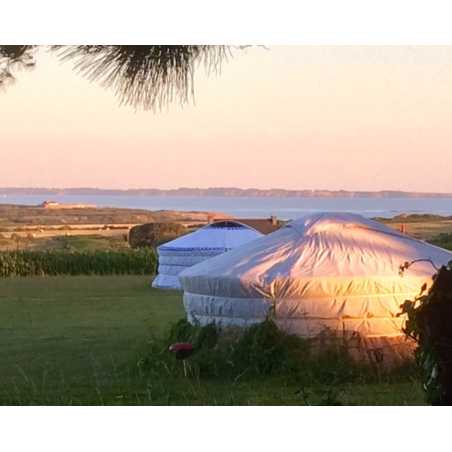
x=328, y=271
x=191, y=249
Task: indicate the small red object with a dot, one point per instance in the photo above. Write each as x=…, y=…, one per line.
x=181, y=350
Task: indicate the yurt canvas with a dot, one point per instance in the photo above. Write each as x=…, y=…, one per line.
x=191, y=249
x=328, y=271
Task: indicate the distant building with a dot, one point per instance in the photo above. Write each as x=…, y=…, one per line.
x=48, y=204
x=55, y=205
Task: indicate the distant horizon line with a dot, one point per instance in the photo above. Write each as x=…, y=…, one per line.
x=218, y=191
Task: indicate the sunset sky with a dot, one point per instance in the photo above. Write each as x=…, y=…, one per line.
x=293, y=117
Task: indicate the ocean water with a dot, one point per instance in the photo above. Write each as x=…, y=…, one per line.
x=243, y=207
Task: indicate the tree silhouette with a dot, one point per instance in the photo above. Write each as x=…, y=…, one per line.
x=144, y=76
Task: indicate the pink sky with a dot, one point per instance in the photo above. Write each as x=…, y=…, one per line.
x=294, y=117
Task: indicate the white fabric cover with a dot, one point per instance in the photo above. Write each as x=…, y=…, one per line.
x=191, y=249
x=328, y=270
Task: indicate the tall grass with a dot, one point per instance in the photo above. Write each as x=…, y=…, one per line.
x=262, y=353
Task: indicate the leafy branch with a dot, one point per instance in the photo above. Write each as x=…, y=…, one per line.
x=429, y=323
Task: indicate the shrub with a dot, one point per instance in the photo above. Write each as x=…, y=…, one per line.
x=154, y=234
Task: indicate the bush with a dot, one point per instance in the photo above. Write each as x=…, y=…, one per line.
x=154, y=234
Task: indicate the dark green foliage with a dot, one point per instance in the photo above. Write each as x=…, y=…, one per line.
x=142, y=261
x=261, y=351
x=429, y=324
x=207, y=337
x=154, y=234
x=201, y=337
x=442, y=240
x=181, y=331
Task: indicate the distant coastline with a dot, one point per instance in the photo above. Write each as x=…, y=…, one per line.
x=220, y=192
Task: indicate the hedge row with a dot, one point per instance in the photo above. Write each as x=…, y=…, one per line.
x=140, y=261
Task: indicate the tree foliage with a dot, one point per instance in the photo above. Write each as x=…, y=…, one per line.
x=429, y=323
x=144, y=76
x=13, y=58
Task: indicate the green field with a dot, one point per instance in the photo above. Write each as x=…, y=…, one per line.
x=78, y=340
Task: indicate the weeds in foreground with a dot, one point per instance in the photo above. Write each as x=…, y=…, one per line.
x=262, y=352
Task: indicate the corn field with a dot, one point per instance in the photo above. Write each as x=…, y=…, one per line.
x=139, y=261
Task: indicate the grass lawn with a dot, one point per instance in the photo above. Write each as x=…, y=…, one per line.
x=59, y=332
x=77, y=340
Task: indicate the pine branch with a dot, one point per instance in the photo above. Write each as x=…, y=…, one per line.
x=147, y=77
x=14, y=58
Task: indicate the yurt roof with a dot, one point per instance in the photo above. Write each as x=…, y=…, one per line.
x=222, y=235
x=336, y=252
